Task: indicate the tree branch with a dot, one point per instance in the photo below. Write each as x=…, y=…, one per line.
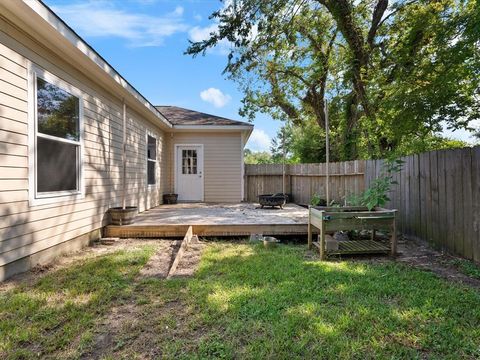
x=378, y=12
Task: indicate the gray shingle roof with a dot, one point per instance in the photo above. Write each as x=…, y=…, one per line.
x=180, y=116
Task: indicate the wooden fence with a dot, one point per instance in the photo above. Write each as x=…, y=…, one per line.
x=438, y=198
x=304, y=180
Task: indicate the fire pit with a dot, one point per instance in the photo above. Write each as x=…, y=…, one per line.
x=272, y=200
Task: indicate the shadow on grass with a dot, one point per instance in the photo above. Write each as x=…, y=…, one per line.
x=256, y=303
x=60, y=308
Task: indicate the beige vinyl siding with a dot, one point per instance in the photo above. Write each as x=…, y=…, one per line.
x=221, y=161
x=25, y=229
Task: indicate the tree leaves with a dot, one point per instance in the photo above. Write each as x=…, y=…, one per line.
x=395, y=72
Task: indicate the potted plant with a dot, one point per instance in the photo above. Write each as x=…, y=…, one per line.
x=170, y=198
x=123, y=215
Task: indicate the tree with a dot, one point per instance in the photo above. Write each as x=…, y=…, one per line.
x=257, y=157
x=281, y=146
x=394, y=72
x=476, y=135
x=305, y=143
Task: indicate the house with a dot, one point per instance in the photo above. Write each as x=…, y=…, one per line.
x=68, y=124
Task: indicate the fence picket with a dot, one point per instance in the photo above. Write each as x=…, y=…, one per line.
x=438, y=195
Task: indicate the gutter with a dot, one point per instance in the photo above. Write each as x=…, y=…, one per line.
x=214, y=127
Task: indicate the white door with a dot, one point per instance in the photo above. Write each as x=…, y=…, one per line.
x=189, y=172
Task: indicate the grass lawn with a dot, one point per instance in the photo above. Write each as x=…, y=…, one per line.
x=243, y=302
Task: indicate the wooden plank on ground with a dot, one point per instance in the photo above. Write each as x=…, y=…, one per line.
x=360, y=247
x=183, y=247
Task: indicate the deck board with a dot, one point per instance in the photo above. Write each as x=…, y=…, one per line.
x=214, y=220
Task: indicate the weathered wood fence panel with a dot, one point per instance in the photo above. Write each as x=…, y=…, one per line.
x=437, y=195
x=302, y=181
x=438, y=198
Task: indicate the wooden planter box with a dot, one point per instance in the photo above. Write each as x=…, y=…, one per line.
x=331, y=219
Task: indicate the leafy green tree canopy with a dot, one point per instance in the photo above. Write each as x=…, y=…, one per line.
x=395, y=72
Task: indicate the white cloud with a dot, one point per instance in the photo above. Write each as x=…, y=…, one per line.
x=104, y=19
x=223, y=47
x=144, y=2
x=215, y=97
x=462, y=134
x=259, y=141
x=198, y=33
x=179, y=10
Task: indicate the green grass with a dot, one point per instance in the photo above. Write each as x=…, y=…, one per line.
x=248, y=302
x=467, y=267
x=61, y=308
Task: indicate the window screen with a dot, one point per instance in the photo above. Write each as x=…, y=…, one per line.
x=56, y=166
x=151, y=159
x=58, y=139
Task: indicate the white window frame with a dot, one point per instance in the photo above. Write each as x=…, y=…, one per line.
x=40, y=198
x=149, y=134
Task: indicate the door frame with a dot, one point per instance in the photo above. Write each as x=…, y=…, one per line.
x=200, y=161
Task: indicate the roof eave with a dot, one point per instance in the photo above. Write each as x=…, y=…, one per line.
x=245, y=127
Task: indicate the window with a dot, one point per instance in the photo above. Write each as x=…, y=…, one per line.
x=151, y=159
x=57, y=117
x=189, y=161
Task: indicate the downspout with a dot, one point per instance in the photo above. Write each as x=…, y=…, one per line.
x=242, y=166
x=171, y=161
x=124, y=156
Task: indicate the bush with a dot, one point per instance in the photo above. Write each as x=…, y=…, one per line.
x=377, y=193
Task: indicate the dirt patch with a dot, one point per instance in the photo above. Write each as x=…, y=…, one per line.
x=159, y=264
x=420, y=255
x=130, y=323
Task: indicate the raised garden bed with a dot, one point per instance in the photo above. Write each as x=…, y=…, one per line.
x=328, y=220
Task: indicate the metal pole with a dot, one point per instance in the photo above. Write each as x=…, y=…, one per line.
x=327, y=155
x=124, y=156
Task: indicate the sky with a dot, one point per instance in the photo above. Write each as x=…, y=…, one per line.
x=145, y=41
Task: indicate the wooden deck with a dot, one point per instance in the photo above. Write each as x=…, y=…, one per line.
x=214, y=220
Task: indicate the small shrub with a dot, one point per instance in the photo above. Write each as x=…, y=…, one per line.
x=317, y=200
x=377, y=193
